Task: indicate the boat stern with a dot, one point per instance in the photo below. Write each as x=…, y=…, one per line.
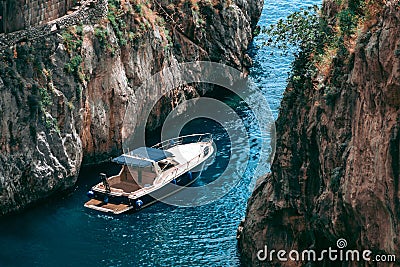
x=107, y=207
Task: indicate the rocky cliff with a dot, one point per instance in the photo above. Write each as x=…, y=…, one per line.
x=63, y=97
x=336, y=170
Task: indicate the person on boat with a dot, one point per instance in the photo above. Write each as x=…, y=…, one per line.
x=103, y=177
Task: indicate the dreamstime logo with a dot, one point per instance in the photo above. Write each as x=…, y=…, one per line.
x=167, y=83
x=341, y=243
x=330, y=254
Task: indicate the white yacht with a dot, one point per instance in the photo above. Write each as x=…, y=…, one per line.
x=149, y=174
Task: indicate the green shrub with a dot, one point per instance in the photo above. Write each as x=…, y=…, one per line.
x=347, y=21
x=305, y=34
x=305, y=29
x=74, y=64
x=102, y=34
x=73, y=41
x=45, y=99
x=51, y=123
x=138, y=8
x=116, y=18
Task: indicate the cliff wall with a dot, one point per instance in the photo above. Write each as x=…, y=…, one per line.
x=336, y=170
x=64, y=96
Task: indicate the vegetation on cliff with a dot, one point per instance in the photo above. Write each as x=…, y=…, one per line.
x=336, y=168
x=316, y=38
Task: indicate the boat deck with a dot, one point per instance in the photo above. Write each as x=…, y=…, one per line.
x=126, y=186
x=184, y=153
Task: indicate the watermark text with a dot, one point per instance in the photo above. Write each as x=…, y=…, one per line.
x=338, y=253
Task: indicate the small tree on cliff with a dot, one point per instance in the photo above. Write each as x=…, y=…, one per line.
x=306, y=34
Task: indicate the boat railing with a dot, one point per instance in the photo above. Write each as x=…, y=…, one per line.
x=188, y=164
x=181, y=140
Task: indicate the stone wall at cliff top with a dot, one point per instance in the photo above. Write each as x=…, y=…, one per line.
x=20, y=14
x=336, y=170
x=89, y=12
x=63, y=97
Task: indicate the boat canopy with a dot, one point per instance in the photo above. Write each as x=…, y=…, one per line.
x=142, y=157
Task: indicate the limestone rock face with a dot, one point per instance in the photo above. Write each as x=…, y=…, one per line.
x=64, y=97
x=336, y=170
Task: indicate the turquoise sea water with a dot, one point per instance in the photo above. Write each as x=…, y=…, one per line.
x=62, y=232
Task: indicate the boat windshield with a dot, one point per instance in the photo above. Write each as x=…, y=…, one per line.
x=143, y=175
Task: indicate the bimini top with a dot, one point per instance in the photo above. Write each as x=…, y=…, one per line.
x=142, y=157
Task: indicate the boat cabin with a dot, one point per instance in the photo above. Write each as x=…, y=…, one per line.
x=141, y=168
